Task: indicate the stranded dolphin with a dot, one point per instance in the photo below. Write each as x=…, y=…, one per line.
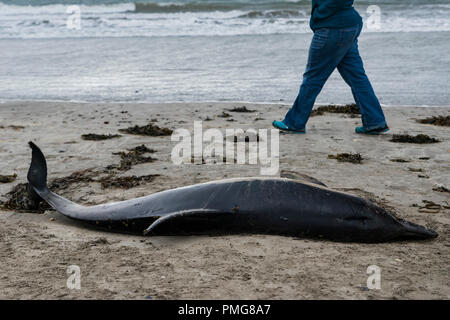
x=251, y=205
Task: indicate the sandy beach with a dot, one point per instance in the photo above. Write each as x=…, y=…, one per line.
x=36, y=249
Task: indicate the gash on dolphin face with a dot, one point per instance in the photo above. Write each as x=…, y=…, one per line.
x=247, y=205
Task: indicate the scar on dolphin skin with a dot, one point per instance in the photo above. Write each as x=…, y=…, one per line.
x=261, y=206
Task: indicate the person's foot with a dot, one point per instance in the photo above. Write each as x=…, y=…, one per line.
x=280, y=125
x=372, y=131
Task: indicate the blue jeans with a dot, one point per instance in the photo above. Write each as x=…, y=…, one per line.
x=331, y=49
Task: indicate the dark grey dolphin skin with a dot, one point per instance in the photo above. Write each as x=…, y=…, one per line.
x=251, y=205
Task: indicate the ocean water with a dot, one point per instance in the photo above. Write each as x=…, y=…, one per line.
x=211, y=50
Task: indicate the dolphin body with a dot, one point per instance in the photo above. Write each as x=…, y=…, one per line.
x=248, y=205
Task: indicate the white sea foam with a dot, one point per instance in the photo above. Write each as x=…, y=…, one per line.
x=122, y=20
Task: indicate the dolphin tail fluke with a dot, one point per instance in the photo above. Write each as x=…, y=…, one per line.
x=413, y=231
x=37, y=184
x=37, y=173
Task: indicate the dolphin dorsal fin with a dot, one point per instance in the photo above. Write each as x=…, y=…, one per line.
x=301, y=177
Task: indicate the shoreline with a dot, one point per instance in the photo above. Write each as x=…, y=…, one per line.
x=281, y=103
x=37, y=248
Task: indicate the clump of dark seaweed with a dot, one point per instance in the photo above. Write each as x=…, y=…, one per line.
x=349, y=109
x=132, y=157
x=441, y=188
x=63, y=183
x=142, y=149
x=420, y=138
x=347, y=157
x=242, y=109
x=212, y=160
x=127, y=182
x=8, y=178
x=98, y=137
x=224, y=115
x=20, y=200
x=436, y=120
x=400, y=160
x=148, y=130
x=13, y=127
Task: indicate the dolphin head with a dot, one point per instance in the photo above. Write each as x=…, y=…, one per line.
x=393, y=228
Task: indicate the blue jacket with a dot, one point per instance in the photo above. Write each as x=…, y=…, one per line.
x=333, y=14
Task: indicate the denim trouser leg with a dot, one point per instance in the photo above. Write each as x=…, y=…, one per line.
x=352, y=70
x=321, y=64
x=332, y=48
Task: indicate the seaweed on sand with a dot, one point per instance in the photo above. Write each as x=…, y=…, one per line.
x=13, y=127
x=132, y=157
x=211, y=160
x=420, y=138
x=20, y=200
x=415, y=169
x=347, y=157
x=443, y=121
x=242, y=109
x=98, y=137
x=349, y=109
x=63, y=183
x=8, y=178
x=400, y=160
x=147, y=130
x=127, y=182
x=142, y=149
x=441, y=188
x=224, y=115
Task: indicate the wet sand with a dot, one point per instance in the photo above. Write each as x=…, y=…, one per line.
x=36, y=249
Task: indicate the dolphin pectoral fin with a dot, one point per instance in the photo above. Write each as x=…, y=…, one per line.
x=175, y=215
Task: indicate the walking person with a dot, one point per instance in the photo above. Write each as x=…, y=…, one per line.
x=337, y=26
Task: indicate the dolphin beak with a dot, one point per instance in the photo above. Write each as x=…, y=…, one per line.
x=413, y=231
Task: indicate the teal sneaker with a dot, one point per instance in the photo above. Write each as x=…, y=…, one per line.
x=281, y=126
x=372, y=131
